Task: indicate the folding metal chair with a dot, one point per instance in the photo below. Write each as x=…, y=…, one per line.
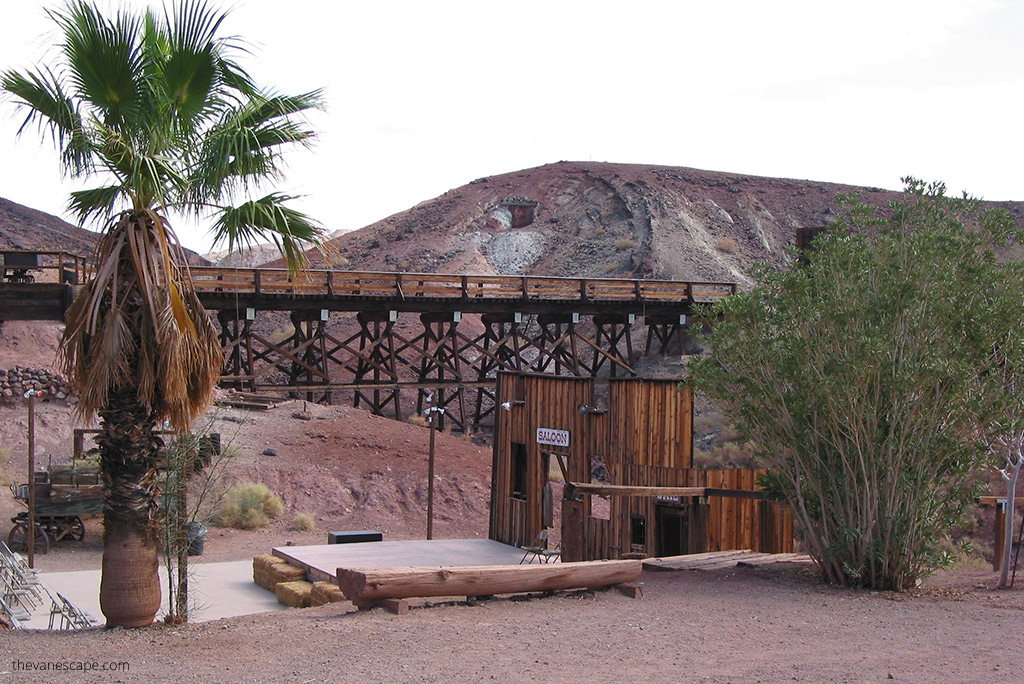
x=539, y=551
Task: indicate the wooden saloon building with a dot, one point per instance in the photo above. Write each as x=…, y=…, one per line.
x=627, y=463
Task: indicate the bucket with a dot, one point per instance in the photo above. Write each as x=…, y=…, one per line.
x=196, y=538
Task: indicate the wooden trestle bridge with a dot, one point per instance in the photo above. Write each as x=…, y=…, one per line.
x=369, y=336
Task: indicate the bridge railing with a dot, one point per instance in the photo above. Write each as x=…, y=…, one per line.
x=21, y=265
x=444, y=286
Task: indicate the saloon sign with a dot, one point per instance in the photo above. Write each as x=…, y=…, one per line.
x=559, y=438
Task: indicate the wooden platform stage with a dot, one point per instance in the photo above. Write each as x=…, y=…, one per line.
x=321, y=562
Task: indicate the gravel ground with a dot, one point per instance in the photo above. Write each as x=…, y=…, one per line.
x=743, y=625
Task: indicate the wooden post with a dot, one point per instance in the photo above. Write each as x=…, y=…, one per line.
x=572, y=530
x=31, y=477
x=432, y=413
x=430, y=474
x=1000, y=531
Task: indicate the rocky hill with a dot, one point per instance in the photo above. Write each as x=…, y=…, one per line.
x=25, y=228
x=29, y=229
x=601, y=220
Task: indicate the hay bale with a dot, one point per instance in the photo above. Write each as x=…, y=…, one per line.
x=320, y=594
x=285, y=573
x=294, y=594
x=265, y=560
x=269, y=570
x=326, y=592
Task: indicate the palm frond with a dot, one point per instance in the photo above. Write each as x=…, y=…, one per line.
x=269, y=219
x=95, y=204
x=104, y=61
x=41, y=94
x=264, y=108
x=245, y=146
x=151, y=177
x=189, y=70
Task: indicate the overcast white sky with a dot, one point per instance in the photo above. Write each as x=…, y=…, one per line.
x=427, y=96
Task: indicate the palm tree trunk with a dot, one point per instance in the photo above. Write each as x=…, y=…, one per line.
x=130, y=585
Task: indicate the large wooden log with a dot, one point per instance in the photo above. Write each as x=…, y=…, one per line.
x=483, y=580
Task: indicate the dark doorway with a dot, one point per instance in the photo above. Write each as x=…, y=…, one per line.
x=672, y=539
x=518, y=476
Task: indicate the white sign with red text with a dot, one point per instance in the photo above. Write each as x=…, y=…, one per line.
x=559, y=438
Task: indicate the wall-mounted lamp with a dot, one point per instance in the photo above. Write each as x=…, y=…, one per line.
x=585, y=410
x=509, y=404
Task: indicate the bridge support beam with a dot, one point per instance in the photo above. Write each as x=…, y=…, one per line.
x=456, y=360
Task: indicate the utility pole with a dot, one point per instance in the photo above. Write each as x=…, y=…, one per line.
x=432, y=413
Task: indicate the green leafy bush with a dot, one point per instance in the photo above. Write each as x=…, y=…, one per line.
x=867, y=376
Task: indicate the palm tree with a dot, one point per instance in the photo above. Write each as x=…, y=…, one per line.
x=156, y=106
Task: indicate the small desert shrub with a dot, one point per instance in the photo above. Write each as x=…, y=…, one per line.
x=611, y=267
x=5, y=456
x=303, y=522
x=417, y=419
x=727, y=245
x=338, y=261
x=249, y=506
x=625, y=243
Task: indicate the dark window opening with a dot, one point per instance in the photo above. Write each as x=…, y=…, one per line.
x=638, y=530
x=518, y=475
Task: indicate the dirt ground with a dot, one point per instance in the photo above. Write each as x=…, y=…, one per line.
x=743, y=625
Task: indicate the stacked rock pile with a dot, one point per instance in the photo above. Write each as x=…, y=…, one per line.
x=16, y=381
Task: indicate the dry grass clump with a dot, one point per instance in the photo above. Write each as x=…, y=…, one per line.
x=5, y=456
x=625, y=243
x=338, y=260
x=727, y=245
x=417, y=419
x=249, y=506
x=728, y=455
x=303, y=522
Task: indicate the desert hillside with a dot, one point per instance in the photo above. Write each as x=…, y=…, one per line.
x=590, y=219
x=25, y=228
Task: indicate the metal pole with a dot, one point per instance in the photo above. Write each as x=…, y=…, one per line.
x=31, y=479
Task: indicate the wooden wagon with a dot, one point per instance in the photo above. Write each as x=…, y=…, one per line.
x=58, y=512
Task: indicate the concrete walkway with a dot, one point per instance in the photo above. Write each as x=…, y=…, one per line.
x=216, y=590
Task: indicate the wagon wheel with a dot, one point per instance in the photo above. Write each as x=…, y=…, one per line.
x=76, y=529
x=18, y=538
